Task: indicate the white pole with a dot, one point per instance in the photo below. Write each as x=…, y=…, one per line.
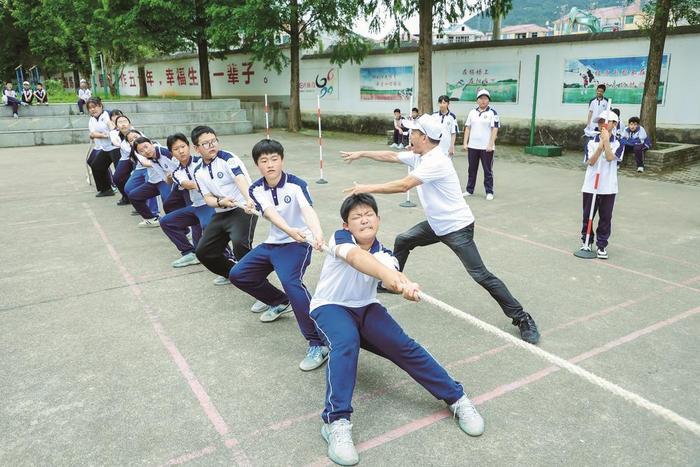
x=267, y=120
x=408, y=203
x=320, y=141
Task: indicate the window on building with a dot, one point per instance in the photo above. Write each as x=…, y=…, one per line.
x=520, y=35
x=629, y=19
x=534, y=34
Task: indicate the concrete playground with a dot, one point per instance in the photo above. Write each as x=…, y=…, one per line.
x=112, y=357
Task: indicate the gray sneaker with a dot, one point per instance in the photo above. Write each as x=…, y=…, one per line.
x=341, y=449
x=259, y=307
x=315, y=357
x=469, y=419
x=149, y=223
x=186, y=260
x=220, y=280
x=274, y=312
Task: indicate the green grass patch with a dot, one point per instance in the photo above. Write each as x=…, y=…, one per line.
x=578, y=95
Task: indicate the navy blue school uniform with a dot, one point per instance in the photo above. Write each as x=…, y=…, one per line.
x=156, y=185
x=281, y=253
x=637, y=142
x=195, y=214
x=27, y=96
x=41, y=96
x=349, y=317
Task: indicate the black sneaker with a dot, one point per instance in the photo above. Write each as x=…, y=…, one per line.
x=123, y=202
x=528, y=329
x=104, y=193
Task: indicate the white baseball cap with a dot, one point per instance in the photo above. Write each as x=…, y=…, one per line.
x=426, y=124
x=483, y=92
x=609, y=115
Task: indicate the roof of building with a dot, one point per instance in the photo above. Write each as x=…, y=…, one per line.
x=516, y=28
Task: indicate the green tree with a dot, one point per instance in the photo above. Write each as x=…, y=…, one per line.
x=659, y=14
x=257, y=27
x=496, y=10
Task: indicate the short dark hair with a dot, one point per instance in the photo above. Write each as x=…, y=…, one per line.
x=397, y=110
x=444, y=98
x=602, y=86
x=267, y=146
x=415, y=109
x=616, y=112
x=199, y=131
x=94, y=100
x=122, y=116
x=39, y=84
x=633, y=120
x=133, y=131
x=357, y=200
x=176, y=137
x=114, y=112
x=141, y=140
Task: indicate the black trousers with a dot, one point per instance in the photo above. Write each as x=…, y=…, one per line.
x=638, y=150
x=235, y=226
x=604, y=207
x=99, y=162
x=486, y=158
x=462, y=243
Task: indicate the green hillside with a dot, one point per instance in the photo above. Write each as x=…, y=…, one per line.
x=538, y=11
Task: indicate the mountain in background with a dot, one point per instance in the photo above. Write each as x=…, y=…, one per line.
x=539, y=11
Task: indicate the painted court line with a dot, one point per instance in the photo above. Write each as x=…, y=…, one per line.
x=600, y=263
x=423, y=422
x=196, y=387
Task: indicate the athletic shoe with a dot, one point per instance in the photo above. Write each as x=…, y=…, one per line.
x=104, y=193
x=469, y=419
x=315, y=356
x=341, y=449
x=259, y=307
x=640, y=169
x=489, y=196
x=466, y=194
x=393, y=145
x=222, y=281
x=123, y=202
x=274, y=312
x=602, y=253
x=528, y=329
x=585, y=247
x=15, y=116
x=149, y=223
x=400, y=146
x=186, y=260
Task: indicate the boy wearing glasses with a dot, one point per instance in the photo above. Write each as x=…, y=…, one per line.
x=224, y=181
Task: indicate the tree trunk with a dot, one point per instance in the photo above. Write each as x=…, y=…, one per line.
x=76, y=78
x=294, y=118
x=204, y=79
x=143, y=90
x=657, y=40
x=425, y=57
x=496, y=27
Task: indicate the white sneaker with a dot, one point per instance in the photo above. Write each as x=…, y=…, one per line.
x=489, y=196
x=259, y=307
x=341, y=449
x=602, y=253
x=394, y=145
x=150, y=223
x=466, y=194
x=186, y=260
x=221, y=281
x=640, y=169
x=316, y=355
x=469, y=419
x=274, y=312
x=15, y=116
x=400, y=146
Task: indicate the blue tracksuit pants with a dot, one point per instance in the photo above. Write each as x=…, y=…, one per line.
x=344, y=330
x=289, y=261
x=175, y=225
x=140, y=195
x=136, y=179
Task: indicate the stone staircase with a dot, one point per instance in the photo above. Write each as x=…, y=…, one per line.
x=62, y=124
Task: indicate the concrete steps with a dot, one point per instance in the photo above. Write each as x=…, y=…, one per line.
x=61, y=123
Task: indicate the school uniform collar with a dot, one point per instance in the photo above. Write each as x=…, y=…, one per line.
x=597, y=138
x=488, y=107
x=189, y=161
x=376, y=246
x=280, y=184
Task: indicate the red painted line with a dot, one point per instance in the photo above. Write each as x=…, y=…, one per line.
x=512, y=386
x=191, y=456
x=196, y=387
x=599, y=263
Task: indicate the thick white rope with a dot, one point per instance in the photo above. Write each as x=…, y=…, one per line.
x=613, y=388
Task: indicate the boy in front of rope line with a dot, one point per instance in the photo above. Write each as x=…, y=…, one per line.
x=607, y=146
x=285, y=201
x=349, y=317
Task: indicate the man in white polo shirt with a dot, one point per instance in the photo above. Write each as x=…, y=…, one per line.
x=480, y=131
x=223, y=181
x=449, y=219
x=450, y=129
x=596, y=107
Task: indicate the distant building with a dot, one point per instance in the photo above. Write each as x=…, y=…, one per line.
x=614, y=18
x=522, y=31
x=457, y=33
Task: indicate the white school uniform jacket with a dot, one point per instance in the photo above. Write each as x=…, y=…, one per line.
x=163, y=164
x=440, y=193
x=8, y=93
x=101, y=125
x=449, y=128
x=186, y=173
x=219, y=177
x=84, y=94
x=607, y=183
x=288, y=198
x=340, y=283
x=480, y=125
